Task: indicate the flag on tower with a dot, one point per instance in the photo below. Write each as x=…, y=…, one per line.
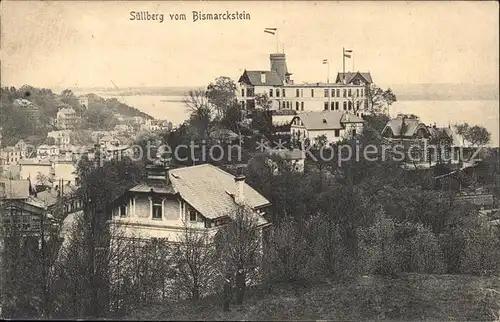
x=271, y=31
x=347, y=53
x=325, y=61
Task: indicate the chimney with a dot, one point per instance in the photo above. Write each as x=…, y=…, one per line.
x=166, y=174
x=278, y=65
x=403, y=125
x=157, y=173
x=263, y=77
x=239, y=179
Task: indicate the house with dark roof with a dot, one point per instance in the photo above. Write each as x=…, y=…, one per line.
x=20, y=210
x=405, y=127
x=334, y=125
x=355, y=78
x=67, y=118
x=428, y=144
x=201, y=198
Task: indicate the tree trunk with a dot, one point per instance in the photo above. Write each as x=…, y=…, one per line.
x=240, y=286
x=227, y=292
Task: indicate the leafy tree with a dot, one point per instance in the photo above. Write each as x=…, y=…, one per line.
x=99, y=117
x=288, y=256
x=375, y=122
x=233, y=117
x=222, y=94
x=50, y=140
x=378, y=99
x=69, y=98
x=263, y=101
x=478, y=135
x=261, y=121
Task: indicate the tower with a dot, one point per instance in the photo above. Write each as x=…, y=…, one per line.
x=278, y=65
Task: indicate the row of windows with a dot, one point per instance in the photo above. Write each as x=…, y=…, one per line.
x=302, y=134
x=299, y=92
x=157, y=212
x=345, y=92
x=289, y=105
x=335, y=106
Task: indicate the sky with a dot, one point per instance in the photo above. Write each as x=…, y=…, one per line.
x=94, y=44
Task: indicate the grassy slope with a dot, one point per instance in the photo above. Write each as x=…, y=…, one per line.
x=412, y=297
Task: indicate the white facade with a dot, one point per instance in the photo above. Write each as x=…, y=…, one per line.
x=46, y=151
x=30, y=168
x=61, y=137
x=335, y=126
x=307, y=97
x=347, y=95
x=332, y=135
x=165, y=208
x=10, y=155
x=136, y=218
x=65, y=171
x=84, y=101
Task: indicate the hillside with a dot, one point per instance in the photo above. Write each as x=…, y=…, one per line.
x=129, y=91
x=412, y=297
x=116, y=106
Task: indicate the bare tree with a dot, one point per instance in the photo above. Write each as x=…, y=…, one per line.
x=43, y=180
x=239, y=243
x=202, y=111
x=195, y=261
x=356, y=103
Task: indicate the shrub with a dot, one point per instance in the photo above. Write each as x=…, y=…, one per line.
x=418, y=249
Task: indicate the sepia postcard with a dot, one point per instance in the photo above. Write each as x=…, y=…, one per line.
x=249, y=160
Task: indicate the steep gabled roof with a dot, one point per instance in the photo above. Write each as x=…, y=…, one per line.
x=410, y=128
x=253, y=77
x=350, y=76
x=327, y=120
x=210, y=190
x=207, y=189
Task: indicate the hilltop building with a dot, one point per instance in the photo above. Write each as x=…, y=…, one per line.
x=84, y=101
x=348, y=95
x=67, y=119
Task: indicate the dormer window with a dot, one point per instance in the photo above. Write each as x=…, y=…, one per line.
x=157, y=208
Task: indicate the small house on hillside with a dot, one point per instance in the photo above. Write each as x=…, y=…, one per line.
x=335, y=125
x=199, y=197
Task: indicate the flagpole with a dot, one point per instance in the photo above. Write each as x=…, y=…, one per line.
x=328, y=71
x=277, y=41
x=353, y=70
x=343, y=64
